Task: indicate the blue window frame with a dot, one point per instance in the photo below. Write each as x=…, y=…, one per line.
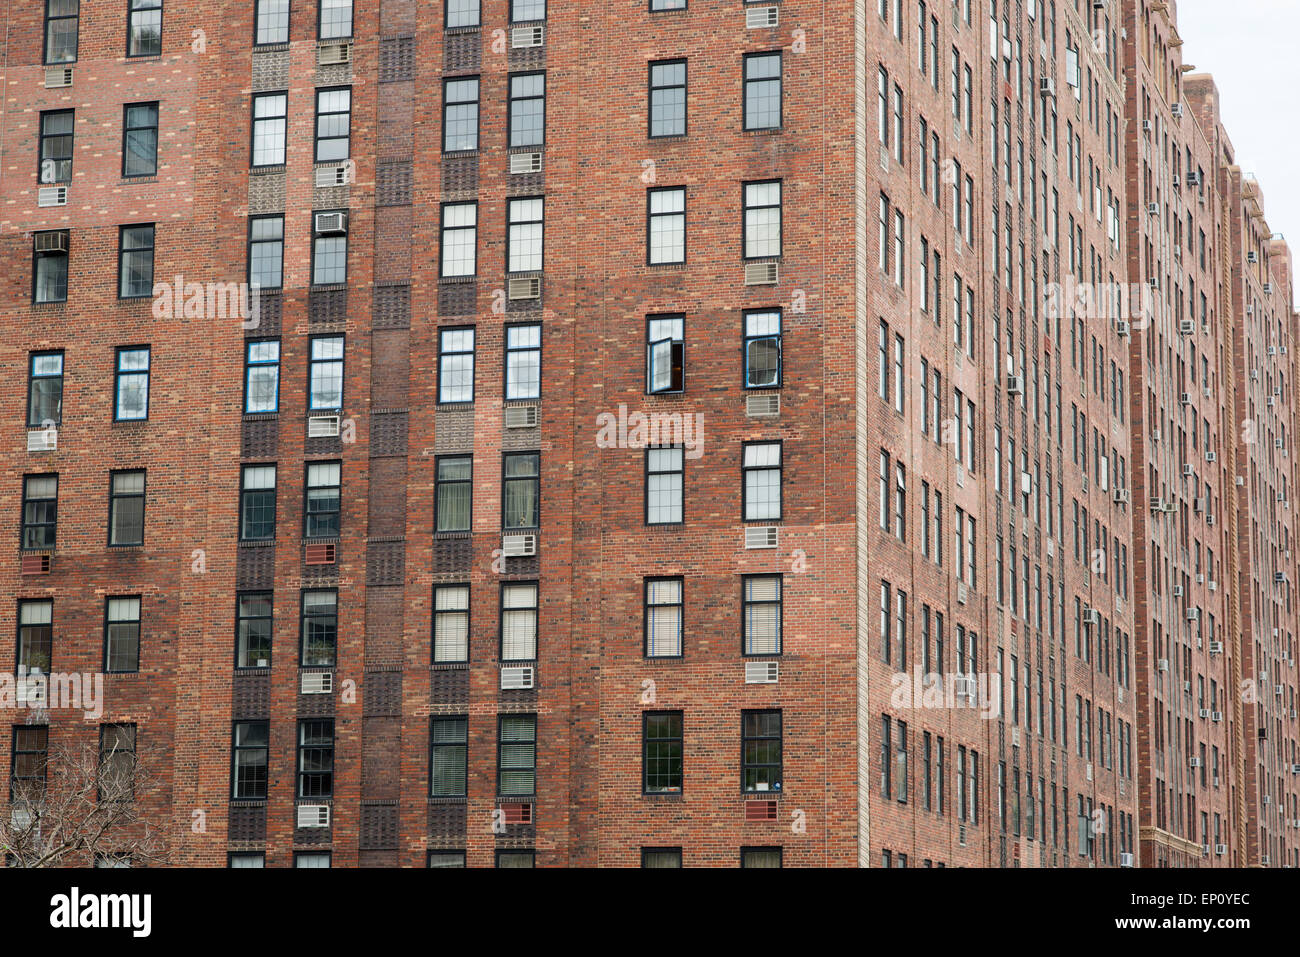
x=262, y=376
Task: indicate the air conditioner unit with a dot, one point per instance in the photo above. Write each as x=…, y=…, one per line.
x=1185, y=398
x=1087, y=770
x=1270, y=401
x=1241, y=480
x=529, y=287
x=1295, y=769
x=1193, y=614
x=42, y=440
x=1157, y=504
x=520, y=417
x=1015, y=736
x=1194, y=763
x=758, y=18
x=56, y=76
x=518, y=677
x=1254, y=375
x=1091, y=616
x=1162, y=664
x=761, y=274
x=1252, y=257
x=1212, y=585
x=1177, y=184
x=1178, y=591
x=1250, y=309
x=316, y=682
x=1268, y=289
x=1147, y=126
x=963, y=593
x=763, y=405
x=1154, y=282
x=322, y=426
x=54, y=242
x=760, y=536
x=1122, y=327
x=1216, y=716
x=518, y=546
x=961, y=835
x=521, y=163
x=1121, y=496
x=1186, y=327
x=1278, y=578
x=1153, y=209
x=1047, y=86
x=1193, y=178
x=1211, y=456
x=1177, y=110
x=762, y=672
x=1126, y=859
x=327, y=176
x=330, y=54
x=1155, y=436
x=963, y=686
x=1187, y=470
x=1200, y=578
x=331, y=223
x=1170, y=508
x=524, y=37
x=1220, y=849
x=1205, y=712
x=313, y=815
x=52, y=196
x=1015, y=385
x=1277, y=443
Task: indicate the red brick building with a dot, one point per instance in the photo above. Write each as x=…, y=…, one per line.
x=512, y=434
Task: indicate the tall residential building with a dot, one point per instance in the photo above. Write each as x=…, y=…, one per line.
x=651, y=434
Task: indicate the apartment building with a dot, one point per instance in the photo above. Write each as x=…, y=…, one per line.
x=645, y=434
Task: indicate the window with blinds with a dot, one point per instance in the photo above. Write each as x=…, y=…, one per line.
x=762, y=614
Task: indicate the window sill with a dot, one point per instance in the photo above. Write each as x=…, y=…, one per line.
x=449, y=666
x=266, y=170
x=138, y=180
x=138, y=547
x=258, y=543
x=457, y=280
x=270, y=47
x=452, y=536
x=462, y=31
x=667, y=267
x=260, y=416
x=766, y=131
x=129, y=424
x=458, y=154
x=670, y=796
x=253, y=670
x=440, y=801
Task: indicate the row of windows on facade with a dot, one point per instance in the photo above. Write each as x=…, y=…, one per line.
x=663, y=625
x=62, y=23
x=518, y=857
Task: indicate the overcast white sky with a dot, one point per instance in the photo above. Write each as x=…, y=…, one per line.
x=1253, y=49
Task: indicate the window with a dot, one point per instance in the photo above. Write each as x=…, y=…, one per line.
x=316, y=758
x=311, y=859
x=322, y=505
x=253, y=629
x=122, y=634
x=762, y=481
x=320, y=627
x=55, y=151
x=460, y=114
x=668, y=98
x=450, y=623
x=61, y=30
x=126, y=508
x=517, y=755
x=762, y=349
x=665, y=354
x=665, y=475
x=763, y=91
x=45, y=390
x=761, y=614
x=525, y=10
x=265, y=252
x=325, y=377
x=760, y=857
x=135, y=262
x=448, y=741
x=527, y=109
x=462, y=13
x=262, y=376
x=459, y=239
x=453, y=493
x=116, y=778
x=144, y=28
x=40, y=511
x=524, y=235
x=521, y=490
x=272, y=22
x=519, y=621
x=446, y=858
x=35, y=635
x=658, y=5
x=455, y=365
x=329, y=261
x=762, y=219
x=663, y=617
x=245, y=859
x=132, y=387
x=269, y=120
x=760, y=751
x=661, y=744
x=661, y=856
x=50, y=266
x=523, y=362
x=28, y=765
x=516, y=858
x=140, y=139
x=249, y=750
x=335, y=19
x=666, y=226
x=333, y=124
x=257, y=503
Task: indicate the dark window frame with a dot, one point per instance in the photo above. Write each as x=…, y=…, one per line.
x=307, y=527
x=501, y=722
x=681, y=470
x=652, y=88
x=114, y=497
x=646, y=758
x=302, y=628
x=439, y=483
x=316, y=136
x=131, y=12
x=139, y=634
x=780, y=615
x=746, y=339
x=780, y=85
x=119, y=374
x=447, y=105
x=744, y=225
x=472, y=352
x=323, y=789
x=38, y=257
x=45, y=45
x=240, y=618
x=244, y=490
x=123, y=252
x=537, y=498
x=509, y=350
x=646, y=607
x=53, y=523
x=512, y=99
x=128, y=129
x=744, y=480
x=745, y=738
x=43, y=137
x=462, y=745
x=31, y=381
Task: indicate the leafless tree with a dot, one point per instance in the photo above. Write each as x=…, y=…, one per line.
x=77, y=804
